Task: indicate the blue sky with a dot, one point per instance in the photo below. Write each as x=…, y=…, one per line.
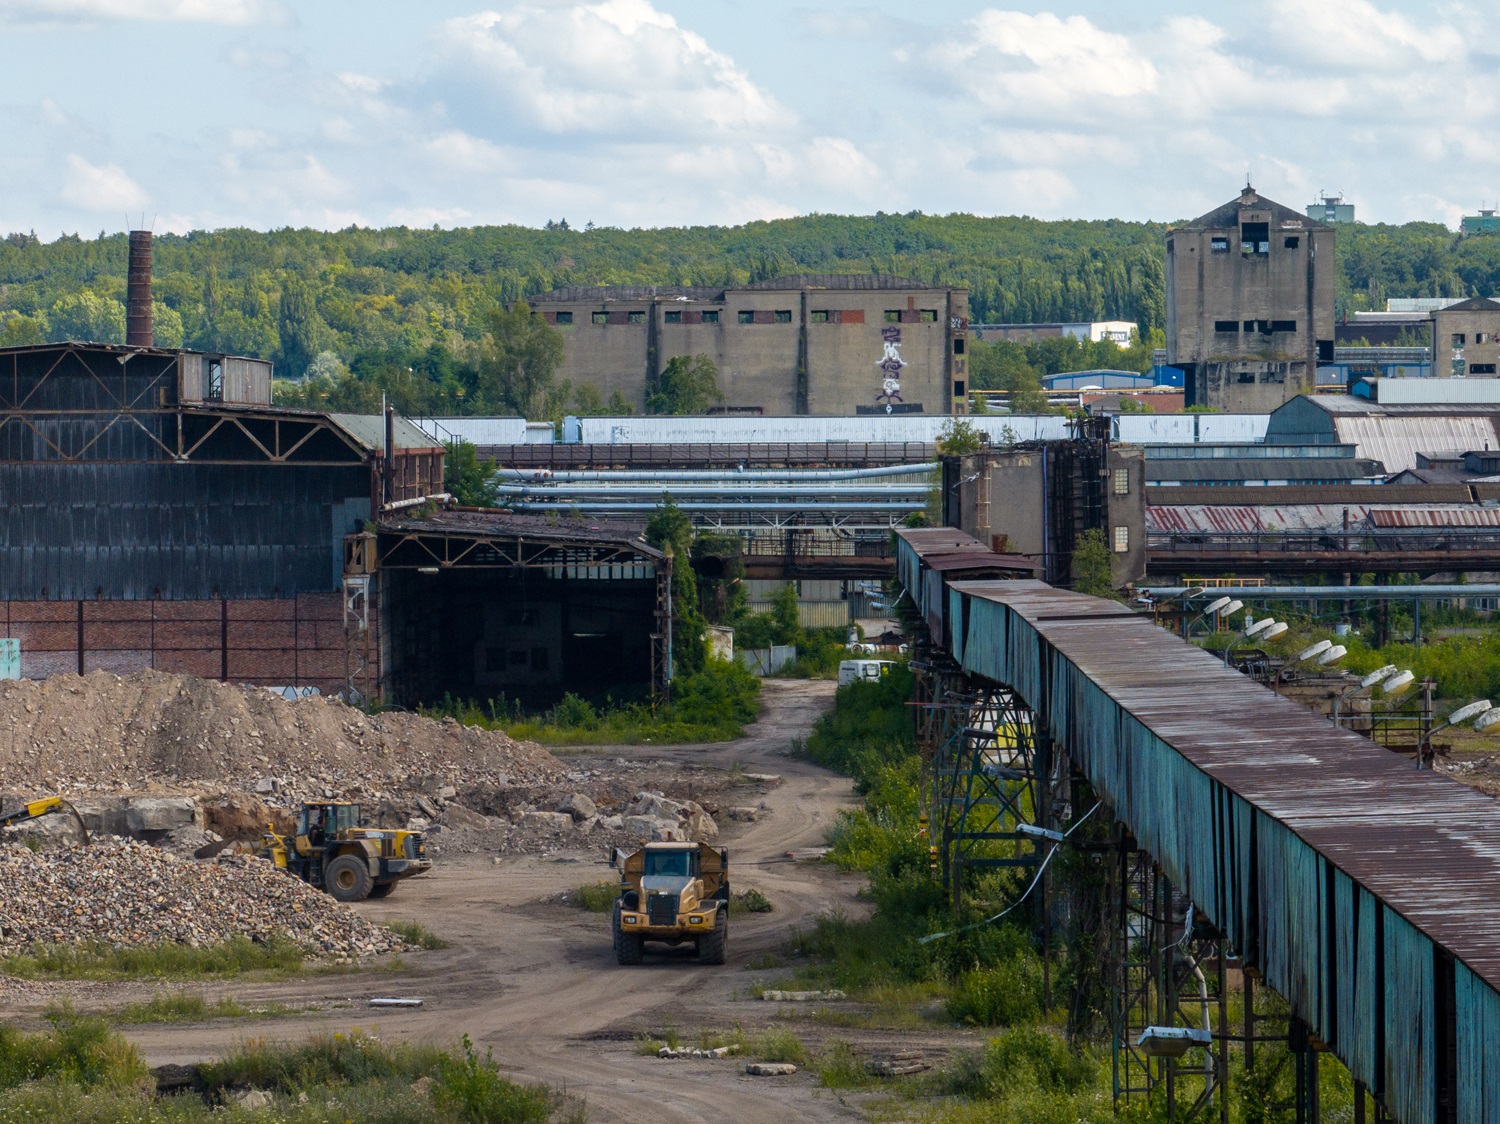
x=270, y=113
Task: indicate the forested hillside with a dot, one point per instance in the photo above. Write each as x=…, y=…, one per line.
x=403, y=306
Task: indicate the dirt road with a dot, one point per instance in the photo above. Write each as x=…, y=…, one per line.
x=535, y=980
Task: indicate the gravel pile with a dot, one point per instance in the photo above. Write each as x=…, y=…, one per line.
x=104, y=732
x=129, y=894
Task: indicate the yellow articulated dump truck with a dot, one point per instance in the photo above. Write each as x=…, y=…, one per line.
x=673, y=893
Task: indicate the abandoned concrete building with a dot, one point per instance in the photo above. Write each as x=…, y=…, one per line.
x=1250, y=290
x=807, y=344
x=1466, y=338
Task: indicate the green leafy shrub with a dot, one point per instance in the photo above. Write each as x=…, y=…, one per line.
x=473, y=1086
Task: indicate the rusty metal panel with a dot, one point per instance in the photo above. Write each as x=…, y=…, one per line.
x=1435, y=516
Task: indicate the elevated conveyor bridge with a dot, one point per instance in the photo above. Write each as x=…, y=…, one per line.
x=1364, y=891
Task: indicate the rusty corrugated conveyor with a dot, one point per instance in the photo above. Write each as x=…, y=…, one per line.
x=1365, y=891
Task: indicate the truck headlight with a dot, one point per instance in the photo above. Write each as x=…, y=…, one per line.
x=695, y=921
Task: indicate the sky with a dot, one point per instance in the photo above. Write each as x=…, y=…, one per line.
x=203, y=114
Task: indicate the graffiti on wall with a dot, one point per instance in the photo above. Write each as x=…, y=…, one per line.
x=890, y=366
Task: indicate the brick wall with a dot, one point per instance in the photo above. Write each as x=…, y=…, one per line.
x=296, y=642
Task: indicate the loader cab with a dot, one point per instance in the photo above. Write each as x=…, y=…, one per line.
x=322, y=822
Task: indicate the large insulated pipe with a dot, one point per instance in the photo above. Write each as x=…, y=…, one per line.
x=138, y=327
x=563, y=475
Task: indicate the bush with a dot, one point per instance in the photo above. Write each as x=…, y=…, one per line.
x=724, y=695
x=82, y=1051
x=473, y=1086
x=1005, y=995
x=596, y=897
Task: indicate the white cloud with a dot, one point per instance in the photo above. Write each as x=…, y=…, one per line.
x=1012, y=61
x=233, y=12
x=101, y=187
x=1356, y=35
x=607, y=68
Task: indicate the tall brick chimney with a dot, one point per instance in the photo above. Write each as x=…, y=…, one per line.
x=138, y=328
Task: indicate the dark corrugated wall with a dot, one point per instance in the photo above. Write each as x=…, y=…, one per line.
x=175, y=531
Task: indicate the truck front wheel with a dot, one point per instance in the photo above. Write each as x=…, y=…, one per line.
x=714, y=948
x=628, y=948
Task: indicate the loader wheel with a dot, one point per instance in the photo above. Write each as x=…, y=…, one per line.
x=348, y=879
x=382, y=889
x=714, y=948
x=628, y=948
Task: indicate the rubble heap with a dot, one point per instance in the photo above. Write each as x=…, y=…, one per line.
x=124, y=893
x=104, y=732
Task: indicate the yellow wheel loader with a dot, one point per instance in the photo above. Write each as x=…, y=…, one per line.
x=674, y=893
x=332, y=849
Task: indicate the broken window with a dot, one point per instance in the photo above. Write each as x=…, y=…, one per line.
x=783, y=316
x=929, y=316
x=672, y=317
x=1481, y=368
x=565, y=318
x=1478, y=337
x=1292, y=242
x=1226, y=325
x=637, y=317
x=601, y=318
x=747, y=317
x=958, y=388
x=893, y=316
x=1283, y=325
x=1457, y=340
x=1218, y=245
x=818, y=317
x=711, y=317
x=214, y=392
x=1245, y=376
x=1169, y=245
x=958, y=345
x=1255, y=238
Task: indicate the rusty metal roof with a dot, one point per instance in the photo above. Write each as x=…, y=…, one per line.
x=1435, y=516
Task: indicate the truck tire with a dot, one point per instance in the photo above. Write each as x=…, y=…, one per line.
x=382, y=889
x=714, y=948
x=628, y=948
x=348, y=878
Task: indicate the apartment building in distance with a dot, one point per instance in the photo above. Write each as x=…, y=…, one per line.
x=806, y=344
x=1250, y=290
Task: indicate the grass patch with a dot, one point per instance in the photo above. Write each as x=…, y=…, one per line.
x=711, y=705
x=415, y=933
x=596, y=897
x=190, y=1007
x=776, y=1044
x=236, y=957
x=749, y=901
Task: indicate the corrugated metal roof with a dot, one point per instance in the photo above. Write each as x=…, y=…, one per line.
x=1243, y=517
x=1297, y=470
x=1395, y=439
x=1435, y=516
x=369, y=431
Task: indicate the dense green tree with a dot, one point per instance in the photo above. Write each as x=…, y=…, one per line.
x=300, y=329
x=689, y=384
x=471, y=483
x=669, y=529
x=518, y=362
x=1092, y=565
x=85, y=315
